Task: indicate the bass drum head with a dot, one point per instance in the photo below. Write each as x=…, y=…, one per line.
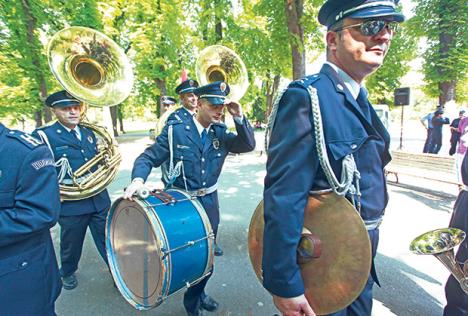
x=133, y=251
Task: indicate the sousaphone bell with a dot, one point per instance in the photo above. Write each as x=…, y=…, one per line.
x=219, y=63
x=440, y=244
x=95, y=70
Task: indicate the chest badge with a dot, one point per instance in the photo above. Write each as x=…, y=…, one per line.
x=90, y=140
x=215, y=143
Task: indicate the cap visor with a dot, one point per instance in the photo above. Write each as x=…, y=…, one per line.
x=65, y=104
x=215, y=101
x=187, y=90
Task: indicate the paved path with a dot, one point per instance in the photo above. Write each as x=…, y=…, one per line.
x=411, y=284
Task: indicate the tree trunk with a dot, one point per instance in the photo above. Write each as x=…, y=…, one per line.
x=113, y=114
x=446, y=88
x=120, y=117
x=38, y=118
x=218, y=23
x=294, y=10
x=161, y=84
x=271, y=90
x=446, y=40
x=33, y=43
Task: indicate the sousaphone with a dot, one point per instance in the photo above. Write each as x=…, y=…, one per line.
x=95, y=70
x=440, y=244
x=219, y=63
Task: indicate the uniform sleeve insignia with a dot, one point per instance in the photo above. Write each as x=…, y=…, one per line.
x=90, y=139
x=43, y=163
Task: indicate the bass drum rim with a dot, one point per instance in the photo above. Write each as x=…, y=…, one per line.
x=163, y=279
x=162, y=242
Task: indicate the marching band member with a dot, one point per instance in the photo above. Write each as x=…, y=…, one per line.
x=196, y=149
x=29, y=207
x=457, y=300
x=72, y=146
x=188, y=99
x=358, y=38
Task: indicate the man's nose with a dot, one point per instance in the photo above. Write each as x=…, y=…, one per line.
x=385, y=35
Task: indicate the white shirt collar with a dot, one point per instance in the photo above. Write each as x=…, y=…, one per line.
x=191, y=112
x=349, y=82
x=77, y=129
x=200, y=127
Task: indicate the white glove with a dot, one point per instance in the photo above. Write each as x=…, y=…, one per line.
x=136, y=187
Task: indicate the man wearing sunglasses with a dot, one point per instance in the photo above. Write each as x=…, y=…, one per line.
x=358, y=38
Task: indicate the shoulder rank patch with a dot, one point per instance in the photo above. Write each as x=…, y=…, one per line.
x=174, y=122
x=43, y=163
x=26, y=139
x=306, y=81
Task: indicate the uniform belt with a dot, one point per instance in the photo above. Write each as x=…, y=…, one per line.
x=201, y=191
x=372, y=224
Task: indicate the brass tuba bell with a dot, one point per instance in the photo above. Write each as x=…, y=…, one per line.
x=219, y=63
x=90, y=66
x=440, y=244
x=95, y=70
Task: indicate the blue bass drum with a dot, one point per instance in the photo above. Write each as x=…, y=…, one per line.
x=158, y=245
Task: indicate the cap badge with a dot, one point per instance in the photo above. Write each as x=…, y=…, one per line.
x=191, y=83
x=222, y=86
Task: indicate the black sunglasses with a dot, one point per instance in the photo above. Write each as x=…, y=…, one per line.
x=372, y=27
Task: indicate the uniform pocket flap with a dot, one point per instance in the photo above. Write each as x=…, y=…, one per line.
x=340, y=149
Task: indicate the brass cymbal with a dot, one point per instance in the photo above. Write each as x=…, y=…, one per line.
x=337, y=277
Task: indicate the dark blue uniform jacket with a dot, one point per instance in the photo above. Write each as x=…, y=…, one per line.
x=66, y=145
x=293, y=169
x=202, y=164
x=29, y=207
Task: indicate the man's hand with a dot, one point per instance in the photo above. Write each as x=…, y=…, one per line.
x=136, y=186
x=293, y=306
x=234, y=108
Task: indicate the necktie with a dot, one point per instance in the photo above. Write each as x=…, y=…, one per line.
x=75, y=134
x=203, y=137
x=363, y=103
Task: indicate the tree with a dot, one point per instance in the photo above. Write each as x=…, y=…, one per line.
x=383, y=83
x=444, y=24
x=159, y=34
x=21, y=25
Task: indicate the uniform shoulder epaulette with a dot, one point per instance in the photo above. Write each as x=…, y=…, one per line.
x=174, y=121
x=306, y=81
x=24, y=138
x=43, y=127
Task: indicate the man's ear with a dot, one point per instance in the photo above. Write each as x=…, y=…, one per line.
x=332, y=40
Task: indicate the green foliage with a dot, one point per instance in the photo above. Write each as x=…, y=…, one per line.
x=163, y=37
x=444, y=24
x=23, y=63
x=386, y=79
